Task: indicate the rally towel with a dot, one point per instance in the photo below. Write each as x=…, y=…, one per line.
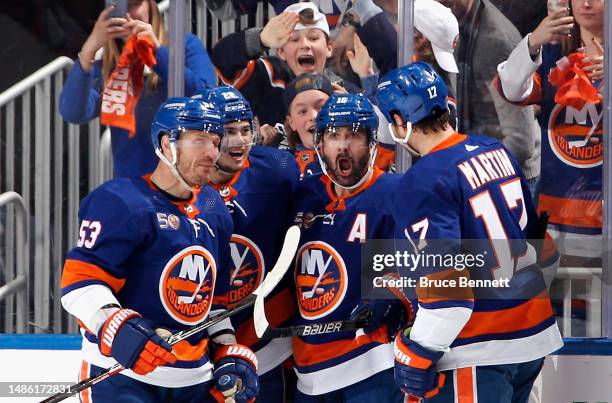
x=574, y=86
x=123, y=88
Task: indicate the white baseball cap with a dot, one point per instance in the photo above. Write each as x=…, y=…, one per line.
x=320, y=22
x=439, y=25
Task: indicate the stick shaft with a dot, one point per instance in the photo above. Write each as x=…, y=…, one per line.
x=316, y=329
x=175, y=338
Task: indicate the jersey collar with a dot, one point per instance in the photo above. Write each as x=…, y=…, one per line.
x=187, y=207
x=226, y=189
x=448, y=142
x=339, y=203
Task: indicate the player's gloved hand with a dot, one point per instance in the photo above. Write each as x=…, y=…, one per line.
x=377, y=312
x=130, y=340
x=415, y=368
x=235, y=374
x=389, y=306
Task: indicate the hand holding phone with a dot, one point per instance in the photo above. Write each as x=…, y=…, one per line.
x=557, y=5
x=553, y=29
x=120, y=8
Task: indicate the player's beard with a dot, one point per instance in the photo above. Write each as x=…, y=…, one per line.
x=193, y=173
x=358, y=168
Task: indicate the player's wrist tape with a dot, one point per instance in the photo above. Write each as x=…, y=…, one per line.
x=236, y=351
x=109, y=330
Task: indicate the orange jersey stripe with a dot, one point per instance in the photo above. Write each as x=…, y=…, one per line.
x=450, y=141
x=439, y=290
x=339, y=203
x=283, y=308
x=84, y=394
x=185, y=351
x=524, y=316
x=309, y=354
x=465, y=385
x=241, y=77
x=575, y=212
x=549, y=248
x=77, y=270
x=271, y=74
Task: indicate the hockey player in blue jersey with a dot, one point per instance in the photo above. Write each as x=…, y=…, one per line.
x=151, y=259
x=257, y=184
x=338, y=210
x=476, y=343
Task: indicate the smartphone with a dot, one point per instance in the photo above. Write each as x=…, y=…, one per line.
x=121, y=8
x=556, y=5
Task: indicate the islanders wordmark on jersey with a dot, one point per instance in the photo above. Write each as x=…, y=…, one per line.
x=321, y=279
x=248, y=267
x=575, y=136
x=187, y=285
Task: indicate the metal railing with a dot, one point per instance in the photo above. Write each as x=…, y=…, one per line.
x=15, y=270
x=53, y=165
x=45, y=160
x=580, y=290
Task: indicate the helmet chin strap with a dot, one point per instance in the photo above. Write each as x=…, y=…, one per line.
x=404, y=141
x=360, y=181
x=172, y=165
x=220, y=168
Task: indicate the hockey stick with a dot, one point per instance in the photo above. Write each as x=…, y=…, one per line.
x=303, y=330
x=265, y=331
x=583, y=142
x=265, y=287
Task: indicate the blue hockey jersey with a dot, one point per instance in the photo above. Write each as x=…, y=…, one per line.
x=166, y=259
x=471, y=188
x=258, y=198
x=572, y=158
x=328, y=280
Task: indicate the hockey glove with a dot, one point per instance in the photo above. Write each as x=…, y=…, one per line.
x=235, y=374
x=391, y=307
x=381, y=311
x=415, y=368
x=130, y=340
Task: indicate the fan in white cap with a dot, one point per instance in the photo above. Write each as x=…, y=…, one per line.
x=439, y=25
x=318, y=18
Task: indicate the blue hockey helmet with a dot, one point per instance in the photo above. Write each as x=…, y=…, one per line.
x=179, y=114
x=232, y=104
x=354, y=110
x=414, y=91
x=347, y=110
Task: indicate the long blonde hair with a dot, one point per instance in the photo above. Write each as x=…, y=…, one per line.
x=112, y=53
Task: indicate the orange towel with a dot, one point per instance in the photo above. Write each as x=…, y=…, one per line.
x=125, y=84
x=574, y=86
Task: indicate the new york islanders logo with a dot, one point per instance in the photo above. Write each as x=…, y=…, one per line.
x=321, y=279
x=575, y=136
x=248, y=268
x=187, y=284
